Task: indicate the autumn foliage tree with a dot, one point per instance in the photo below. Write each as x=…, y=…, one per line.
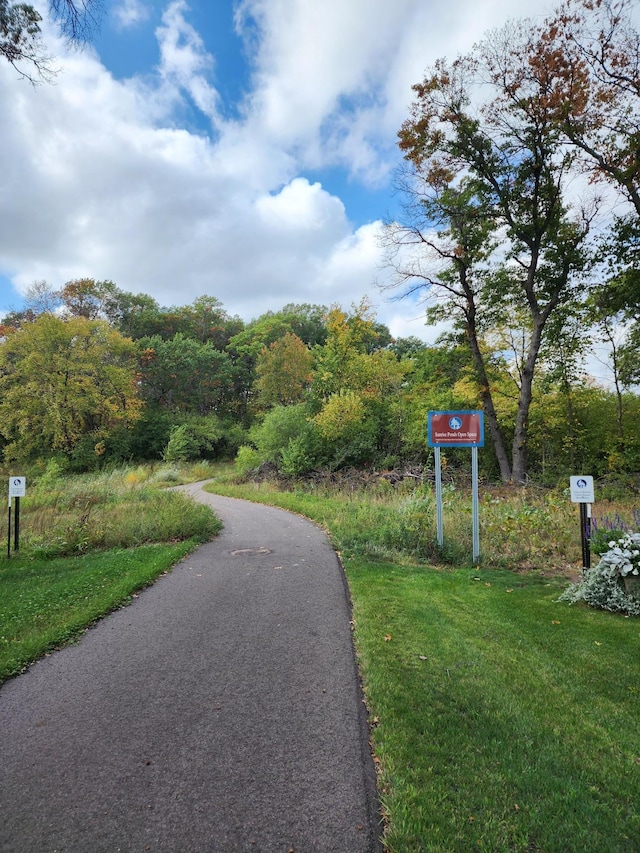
x=493, y=236
x=283, y=371
x=63, y=382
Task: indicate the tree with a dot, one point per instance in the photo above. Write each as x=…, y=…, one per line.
x=284, y=371
x=85, y=297
x=489, y=202
x=590, y=53
x=63, y=381
x=306, y=321
x=20, y=33
x=358, y=392
x=183, y=375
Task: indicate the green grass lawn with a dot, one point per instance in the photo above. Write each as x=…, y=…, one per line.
x=506, y=721
x=46, y=602
x=503, y=720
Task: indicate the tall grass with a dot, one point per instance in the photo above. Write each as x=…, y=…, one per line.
x=122, y=508
x=520, y=529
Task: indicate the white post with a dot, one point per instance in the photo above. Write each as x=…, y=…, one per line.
x=475, y=505
x=439, y=499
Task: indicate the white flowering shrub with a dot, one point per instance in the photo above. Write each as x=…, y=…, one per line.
x=603, y=585
x=623, y=557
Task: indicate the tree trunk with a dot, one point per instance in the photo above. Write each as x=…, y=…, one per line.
x=487, y=404
x=520, y=435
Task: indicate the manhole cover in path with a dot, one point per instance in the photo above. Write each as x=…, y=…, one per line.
x=240, y=552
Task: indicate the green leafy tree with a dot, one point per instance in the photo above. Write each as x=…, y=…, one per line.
x=196, y=438
x=63, y=382
x=283, y=371
x=358, y=389
x=183, y=375
x=306, y=321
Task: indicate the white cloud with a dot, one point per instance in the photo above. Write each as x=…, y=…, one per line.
x=129, y=13
x=103, y=182
x=184, y=59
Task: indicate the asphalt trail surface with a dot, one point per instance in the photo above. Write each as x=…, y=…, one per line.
x=221, y=711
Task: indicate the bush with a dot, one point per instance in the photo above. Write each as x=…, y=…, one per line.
x=199, y=437
x=247, y=460
x=603, y=585
x=287, y=438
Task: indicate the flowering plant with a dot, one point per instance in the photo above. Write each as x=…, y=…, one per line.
x=602, y=585
x=622, y=558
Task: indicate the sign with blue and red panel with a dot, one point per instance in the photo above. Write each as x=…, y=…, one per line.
x=455, y=429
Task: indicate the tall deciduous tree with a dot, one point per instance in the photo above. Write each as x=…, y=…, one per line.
x=589, y=50
x=489, y=180
x=61, y=381
x=283, y=371
x=184, y=375
x=592, y=50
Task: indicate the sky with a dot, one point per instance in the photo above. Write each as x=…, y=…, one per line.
x=242, y=150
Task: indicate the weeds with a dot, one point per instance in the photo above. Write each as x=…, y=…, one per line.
x=122, y=508
x=520, y=529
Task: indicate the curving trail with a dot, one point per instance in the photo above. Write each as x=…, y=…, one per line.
x=220, y=712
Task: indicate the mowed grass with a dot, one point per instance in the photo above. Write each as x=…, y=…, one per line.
x=502, y=719
x=506, y=721
x=46, y=602
x=87, y=545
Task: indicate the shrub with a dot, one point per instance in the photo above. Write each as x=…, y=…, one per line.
x=603, y=585
x=196, y=438
x=247, y=460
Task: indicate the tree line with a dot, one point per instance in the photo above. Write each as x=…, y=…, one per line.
x=92, y=375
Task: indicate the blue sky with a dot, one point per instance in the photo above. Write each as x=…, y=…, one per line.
x=243, y=150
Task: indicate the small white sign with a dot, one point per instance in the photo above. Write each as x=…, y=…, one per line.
x=582, y=489
x=17, y=487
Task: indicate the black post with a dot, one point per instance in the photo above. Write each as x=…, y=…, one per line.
x=9, y=534
x=585, y=537
x=16, y=536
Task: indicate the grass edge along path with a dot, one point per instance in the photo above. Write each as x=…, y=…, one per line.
x=53, y=601
x=502, y=719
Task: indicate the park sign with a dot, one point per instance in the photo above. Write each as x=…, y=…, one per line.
x=17, y=490
x=455, y=429
x=582, y=490
x=17, y=487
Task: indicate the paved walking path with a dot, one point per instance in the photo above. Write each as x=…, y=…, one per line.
x=219, y=712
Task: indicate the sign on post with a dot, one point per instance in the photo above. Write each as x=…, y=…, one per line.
x=17, y=490
x=582, y=490
x=17, y=487
x=457, y=429
x=583, y=493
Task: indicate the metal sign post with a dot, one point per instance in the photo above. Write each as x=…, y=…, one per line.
x=457, y=429
x=17, y=490
x=583, y=493
x=475, y=523
x=439, y=528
